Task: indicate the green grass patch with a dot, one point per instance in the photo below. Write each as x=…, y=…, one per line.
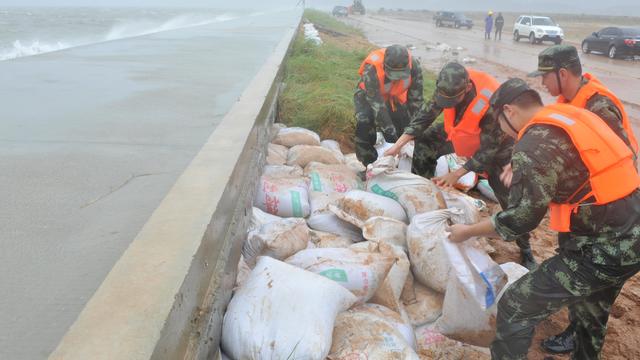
x=320, y=81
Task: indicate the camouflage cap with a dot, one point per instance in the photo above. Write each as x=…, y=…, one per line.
x=555, y=58
x=507, y=93
x=451, y=85
x=396, y=63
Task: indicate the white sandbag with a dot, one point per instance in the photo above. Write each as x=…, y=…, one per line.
x=358, y=206
x=382, y=146
x=359, y=272
x=415, y=193
x=283, y=196
x=372, y=332
x=328, y=183
x=259, y=218
x=486, y=190
x=293, y=136
x=405, y=158
x=274, y=130
x=389, y=292
x=282, y=171
x=463, y=318
x=351, y=160
x=302, y=155
x=243, y=273
x=276, y=154
x=283, y=312
x=470, y=207
x=452, y=162
x=335, y=147
x=387, y=230
x=278, y=239
x=323, y=239
x=327, y=221
x=434, y=346
x=422, y=304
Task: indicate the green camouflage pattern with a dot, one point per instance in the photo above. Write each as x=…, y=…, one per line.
x=594, y=260
x=555, y=58
x=452, y=81
x=374, y=114
x=396, y=62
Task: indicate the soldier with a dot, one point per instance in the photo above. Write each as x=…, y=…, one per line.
x=468, y=129
x=561, y=72
x=388, y=95
x=569, y=160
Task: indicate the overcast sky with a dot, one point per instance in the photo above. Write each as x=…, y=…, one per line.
x=630, y=7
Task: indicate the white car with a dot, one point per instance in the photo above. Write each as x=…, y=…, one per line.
x=537, y=29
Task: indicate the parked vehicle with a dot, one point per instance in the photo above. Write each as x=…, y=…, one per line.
x=340, y=11
x=453, y=19
x=358, y=7
x=537, y=29
x=614, y=42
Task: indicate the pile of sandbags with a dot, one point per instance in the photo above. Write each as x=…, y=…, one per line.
x=334, y=268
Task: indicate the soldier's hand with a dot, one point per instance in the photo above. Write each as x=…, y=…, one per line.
x=458, y=233
x=393, y=151
x=507, y=175
x=447, y=181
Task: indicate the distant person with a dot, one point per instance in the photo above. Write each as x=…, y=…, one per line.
x=499, y=24
x=488, y=25
x=388, y=96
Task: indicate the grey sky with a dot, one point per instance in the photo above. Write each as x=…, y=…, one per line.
x=623, y=7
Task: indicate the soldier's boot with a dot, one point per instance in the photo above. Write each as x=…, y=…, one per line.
x=562, y=343
x=528, y=260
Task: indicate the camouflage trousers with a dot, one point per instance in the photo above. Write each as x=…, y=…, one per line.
x=567, y=279
x=366, y=127
x=433, y=143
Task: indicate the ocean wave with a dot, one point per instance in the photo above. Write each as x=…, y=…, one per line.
x=117, y=32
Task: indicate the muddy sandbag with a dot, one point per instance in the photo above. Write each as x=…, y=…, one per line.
x=327, y=221
x=274, y=130
x=452, y=162
x=463, y=318
x=422, y=304
x=384, y=229
x=486, y=190
x=359, y=272
x=415, y=193
x=358, y=206
x=293, y=136
x=470, y=207
x=351, y=160
x=302, y=155
x=282, y=171
x=328, y=183
x=283, y=196
x=372, y=332
x=405, y=157
x=283, y=312
x=278, y=239
x=335, y=147
x=243, y=273
x=276, y=154
x=434, y=346
x=259, y=218
x=323, y=239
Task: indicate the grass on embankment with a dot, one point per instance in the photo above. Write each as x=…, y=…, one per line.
x=320, y=80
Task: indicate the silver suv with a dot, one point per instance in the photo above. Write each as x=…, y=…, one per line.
x=537, y=29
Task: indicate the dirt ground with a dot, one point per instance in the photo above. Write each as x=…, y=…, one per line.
x=623, y=337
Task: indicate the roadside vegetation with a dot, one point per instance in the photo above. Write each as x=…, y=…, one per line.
x=320, y=79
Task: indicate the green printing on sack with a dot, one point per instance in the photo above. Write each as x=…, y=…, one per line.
x=335, y=275
x=295, y=204
x=376, y=189
x=315, y=181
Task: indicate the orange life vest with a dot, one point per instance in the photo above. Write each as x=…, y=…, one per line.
x=465, y=136
x=593, y=87
x=392, y=92
x=612, y=174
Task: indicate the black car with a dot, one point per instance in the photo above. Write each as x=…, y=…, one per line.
x=614, y=42
x=455, y=19
x=340, y=11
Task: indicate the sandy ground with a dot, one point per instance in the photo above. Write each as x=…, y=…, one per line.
x=507, y=59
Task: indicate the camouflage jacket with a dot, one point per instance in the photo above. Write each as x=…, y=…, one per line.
x=495, y=145
x=547, y=167
x=415, y=100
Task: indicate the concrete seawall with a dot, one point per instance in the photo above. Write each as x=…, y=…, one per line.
x=165, y=297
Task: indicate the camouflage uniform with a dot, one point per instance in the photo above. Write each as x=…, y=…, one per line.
x=373, y=113
x=431, y=140
x=552, y=59
x=594, y=260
